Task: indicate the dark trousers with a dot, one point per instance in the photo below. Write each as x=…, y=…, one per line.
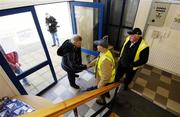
x=129, y=74
x=71, y=75
x=71, y=78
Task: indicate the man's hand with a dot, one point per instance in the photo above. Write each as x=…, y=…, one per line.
x=88, y=65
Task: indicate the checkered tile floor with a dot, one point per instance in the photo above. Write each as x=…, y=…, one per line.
x=155, y=85
x=63, y=91
x=159, y=87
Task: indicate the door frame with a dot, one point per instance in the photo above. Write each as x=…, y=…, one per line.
x=100, y=7
x=16, y=79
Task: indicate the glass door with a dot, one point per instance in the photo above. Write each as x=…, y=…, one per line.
x=24, y=55
x=87, y=21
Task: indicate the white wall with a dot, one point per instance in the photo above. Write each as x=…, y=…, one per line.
x=163, y=49
x=142, y=13
x=6, y=86
x=6, y=4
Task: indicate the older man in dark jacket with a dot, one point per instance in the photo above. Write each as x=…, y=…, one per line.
x=71, y=58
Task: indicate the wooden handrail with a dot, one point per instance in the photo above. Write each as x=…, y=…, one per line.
x=67, y=105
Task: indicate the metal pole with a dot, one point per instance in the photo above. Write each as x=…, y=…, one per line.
x=75, y=112
x=113, y=100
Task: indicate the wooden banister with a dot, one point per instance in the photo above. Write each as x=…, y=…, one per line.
x=70, y=104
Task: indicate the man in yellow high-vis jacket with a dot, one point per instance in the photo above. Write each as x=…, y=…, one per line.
x=104, y=67
x=133, y=55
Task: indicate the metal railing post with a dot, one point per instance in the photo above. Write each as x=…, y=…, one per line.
x=113, y=100
x=75, y=112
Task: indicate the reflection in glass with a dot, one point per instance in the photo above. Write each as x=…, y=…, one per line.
x=85, y=25
x=123, y=35
x=115, y=12
x=38, y=80
x=130, y=12
x=12, y=59
x=20, y=41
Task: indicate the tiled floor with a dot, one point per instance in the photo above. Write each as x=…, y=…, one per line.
x=159, y=87
x=149, y=84
x=63, y=91
x=43, y=77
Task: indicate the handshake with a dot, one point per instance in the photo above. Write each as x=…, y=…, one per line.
x=88, y=66
x=91, y=64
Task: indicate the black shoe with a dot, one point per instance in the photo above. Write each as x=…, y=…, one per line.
x=27, y=84
x=91, y=88
x=76, y=75
x=107, y=95
x=53, y=45
x=75, y=86
x=101, y=102
x=125, y=88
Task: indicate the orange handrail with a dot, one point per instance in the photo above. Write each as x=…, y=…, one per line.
x=67, y=105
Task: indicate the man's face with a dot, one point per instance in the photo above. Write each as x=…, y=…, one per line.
x=99, y=48
x=134, y=37
x=47, y=15
x=78, y=44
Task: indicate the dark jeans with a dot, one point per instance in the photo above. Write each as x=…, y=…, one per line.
x=55, y=38
x=71, y=75
x=19, y=71
x=71, y=78
x=129, y=74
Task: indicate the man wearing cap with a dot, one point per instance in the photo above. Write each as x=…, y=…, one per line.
x=104, y=67
x=133, y=55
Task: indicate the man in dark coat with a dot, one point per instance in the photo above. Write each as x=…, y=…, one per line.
x=71, y=58
x=133, y=55
x=52, y=28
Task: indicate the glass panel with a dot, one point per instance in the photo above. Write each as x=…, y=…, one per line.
x=123, y=35
x=61, y=12
x=87, y=25
x=115, y=12
x=20, y=41
x=37, y=81
x=105, y=9
x=130, y=12
x=87, y=59
x=113, y=34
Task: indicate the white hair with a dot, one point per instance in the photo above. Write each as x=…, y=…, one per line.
x=75, y=38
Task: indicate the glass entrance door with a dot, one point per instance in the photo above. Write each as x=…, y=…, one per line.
x=87, y=21
x=24, y=55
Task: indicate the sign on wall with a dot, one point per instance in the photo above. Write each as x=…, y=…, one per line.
x=158, y=13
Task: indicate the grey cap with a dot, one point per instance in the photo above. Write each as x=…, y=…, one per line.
x=102, y=42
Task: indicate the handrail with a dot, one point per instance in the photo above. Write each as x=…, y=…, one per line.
x=67, y=105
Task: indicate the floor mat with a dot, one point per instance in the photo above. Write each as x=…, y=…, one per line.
x=129, y=104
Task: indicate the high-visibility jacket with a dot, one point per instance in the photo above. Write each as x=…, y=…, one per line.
x=109, y=57
x=141, y=47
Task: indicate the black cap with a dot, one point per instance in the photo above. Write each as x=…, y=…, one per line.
x=135, y=31
x=102, y=42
